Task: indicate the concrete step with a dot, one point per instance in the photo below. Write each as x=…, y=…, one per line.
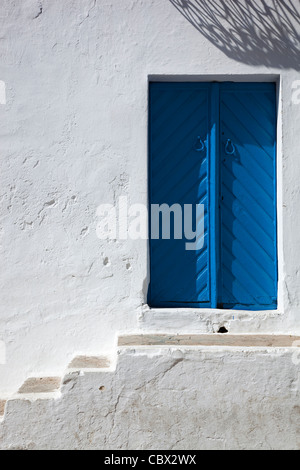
x=242, y=341
x=2, y=408
x=37, y=385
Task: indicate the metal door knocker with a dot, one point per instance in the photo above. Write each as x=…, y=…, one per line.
x=199, y=146
x=229, y=147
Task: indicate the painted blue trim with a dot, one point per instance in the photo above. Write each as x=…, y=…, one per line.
x=214, y=191
x=246, y=86
x=210, y=150
x=275, y=192
x=247, y=307
x=204, y=86
x=149, y=190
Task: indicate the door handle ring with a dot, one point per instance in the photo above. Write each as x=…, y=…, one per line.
x=228, y=144
x=199, y=146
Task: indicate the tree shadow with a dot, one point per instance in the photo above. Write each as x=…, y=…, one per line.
x=255, y=32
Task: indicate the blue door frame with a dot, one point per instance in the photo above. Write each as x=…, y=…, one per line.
x=234, y=176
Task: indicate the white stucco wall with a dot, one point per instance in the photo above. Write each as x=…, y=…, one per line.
x=73, y=135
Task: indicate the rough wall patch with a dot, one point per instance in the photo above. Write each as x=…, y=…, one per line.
x=2, y=353
x=2, y=92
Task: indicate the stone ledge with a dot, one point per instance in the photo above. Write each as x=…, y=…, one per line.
x=2, y=407
x=90, y=362
x=40, y=385
x=268, y=341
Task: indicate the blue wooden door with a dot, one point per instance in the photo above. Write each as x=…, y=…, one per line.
x=214, y=144
x=179, y=175
x=248, y=196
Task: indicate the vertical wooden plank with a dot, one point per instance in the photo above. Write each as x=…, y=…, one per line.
x=214, y=191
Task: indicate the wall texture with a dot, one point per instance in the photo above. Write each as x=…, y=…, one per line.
x=182, y=398
x=73, y=135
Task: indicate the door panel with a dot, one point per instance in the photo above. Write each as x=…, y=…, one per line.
x=248, y=196
x=234, y=176
x=178, y=175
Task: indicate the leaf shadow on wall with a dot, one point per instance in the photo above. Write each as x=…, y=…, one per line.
x=254, y=32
